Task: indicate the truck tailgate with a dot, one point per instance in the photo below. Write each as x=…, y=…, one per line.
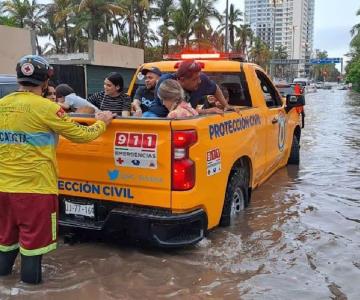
x=129, y=163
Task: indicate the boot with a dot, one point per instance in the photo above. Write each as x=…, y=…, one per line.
x=31, y=269
x=7, y=260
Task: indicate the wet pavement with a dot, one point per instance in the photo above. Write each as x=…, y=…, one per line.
x=299, y=239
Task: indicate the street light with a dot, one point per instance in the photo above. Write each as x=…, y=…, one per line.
x=274, y=3
x=226, y=26
x=293, y=41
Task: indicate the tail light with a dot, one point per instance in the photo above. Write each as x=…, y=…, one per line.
x=183, y=168
x=299, y=109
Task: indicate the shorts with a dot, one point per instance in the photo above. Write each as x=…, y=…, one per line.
x=28, y=221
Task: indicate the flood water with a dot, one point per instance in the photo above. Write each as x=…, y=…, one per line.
x=299, y=239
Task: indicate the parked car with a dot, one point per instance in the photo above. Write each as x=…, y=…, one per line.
x=8, y=84
x=285, y=89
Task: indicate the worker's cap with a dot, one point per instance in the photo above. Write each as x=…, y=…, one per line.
x=187, y=68
x=154, y=70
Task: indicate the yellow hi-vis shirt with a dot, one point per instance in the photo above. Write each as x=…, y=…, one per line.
x=29, y=128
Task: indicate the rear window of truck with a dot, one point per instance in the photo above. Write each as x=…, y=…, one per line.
x=234, y=82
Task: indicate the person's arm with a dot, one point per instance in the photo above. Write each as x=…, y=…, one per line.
x=126, y=103
x=136, y=107
x=211, y=110
x=209, y=87
x=219, y=95
x=77, y=101
x=58, y=121
x=64, y=105
x=136, y=102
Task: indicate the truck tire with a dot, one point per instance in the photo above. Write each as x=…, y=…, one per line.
x=294, y=158
x=236, y=196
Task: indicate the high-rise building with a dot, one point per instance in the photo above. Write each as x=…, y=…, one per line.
x=288, y=23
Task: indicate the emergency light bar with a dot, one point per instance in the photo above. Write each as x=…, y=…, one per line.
x=200, y=55
x=219, y=55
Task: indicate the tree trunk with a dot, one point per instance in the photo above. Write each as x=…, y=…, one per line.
x=231, y=34
x=68, y=50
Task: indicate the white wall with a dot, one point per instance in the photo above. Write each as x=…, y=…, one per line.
x=15, y=43
x=106, y=54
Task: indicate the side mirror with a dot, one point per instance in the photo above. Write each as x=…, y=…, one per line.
x=294, y=101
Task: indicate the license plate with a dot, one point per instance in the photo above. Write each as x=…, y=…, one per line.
x=86, y=210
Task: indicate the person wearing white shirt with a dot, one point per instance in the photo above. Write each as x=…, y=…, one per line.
x=69, y=101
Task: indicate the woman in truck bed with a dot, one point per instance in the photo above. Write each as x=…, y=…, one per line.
x=113, y=97
x=172, y=97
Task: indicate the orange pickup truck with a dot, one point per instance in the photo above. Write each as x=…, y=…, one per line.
x=171, y=181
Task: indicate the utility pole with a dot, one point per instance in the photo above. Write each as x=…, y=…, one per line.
x=273, y=35
x=131, y=27
x=226, y=27
x=273, y=38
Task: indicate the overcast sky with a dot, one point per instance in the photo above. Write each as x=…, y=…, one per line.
x=333, y=22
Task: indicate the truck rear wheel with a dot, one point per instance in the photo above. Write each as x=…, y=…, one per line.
x=237, y=195
x=294, y=158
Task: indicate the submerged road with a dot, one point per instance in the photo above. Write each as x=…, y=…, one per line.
x=299, y=239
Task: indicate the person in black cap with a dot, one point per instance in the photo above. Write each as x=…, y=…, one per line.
x=145, y=95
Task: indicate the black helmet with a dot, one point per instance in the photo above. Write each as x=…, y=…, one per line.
x=33, y=69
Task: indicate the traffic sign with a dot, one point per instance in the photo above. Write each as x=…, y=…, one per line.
x=323, y=61
x=287, y=61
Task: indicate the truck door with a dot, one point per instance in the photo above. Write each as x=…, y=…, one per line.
x=275, y=121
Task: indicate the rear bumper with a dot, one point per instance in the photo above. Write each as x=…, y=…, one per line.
x=156, y=225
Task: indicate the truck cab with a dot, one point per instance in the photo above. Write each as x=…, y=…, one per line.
x=8, y=84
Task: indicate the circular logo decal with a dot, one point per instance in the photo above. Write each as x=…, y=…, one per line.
x=140, y=76
x=281, y=137
x=27, y=69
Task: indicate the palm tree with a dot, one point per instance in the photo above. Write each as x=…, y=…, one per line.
x=260, y=53
x=355, y=41
x=99, y=14
x=51, y=28
x=139, y=13
x=356, y=28
x=163, y=11
x=18, y=9
x=280, y=53
x=246, y=36
x=62, y=10
x=183, y=20
x=8, y=21
x=34, y=20
x=205, y=11
x=142, y=17
x=234, y=17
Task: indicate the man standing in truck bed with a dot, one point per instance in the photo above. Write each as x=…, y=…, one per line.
x=29, y=128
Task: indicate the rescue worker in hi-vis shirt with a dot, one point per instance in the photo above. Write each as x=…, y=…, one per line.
x=29, y=127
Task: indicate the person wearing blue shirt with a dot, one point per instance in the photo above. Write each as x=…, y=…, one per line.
x=195, y=84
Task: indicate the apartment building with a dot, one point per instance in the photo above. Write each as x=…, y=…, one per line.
x=288, y=23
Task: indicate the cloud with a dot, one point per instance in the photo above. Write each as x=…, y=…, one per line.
x=334, y=40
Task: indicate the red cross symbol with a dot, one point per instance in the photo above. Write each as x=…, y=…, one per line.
x=27, y=69
x=120, y=160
